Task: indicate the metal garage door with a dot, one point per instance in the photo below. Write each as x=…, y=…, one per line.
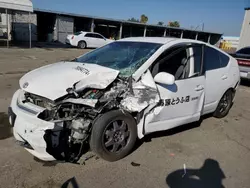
x=65, y=26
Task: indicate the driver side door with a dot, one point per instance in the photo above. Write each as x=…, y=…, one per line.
x=181, y=102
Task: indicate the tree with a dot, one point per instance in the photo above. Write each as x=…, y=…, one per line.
x=174, y=24
x=133, y=20
x=160, y=23
x=144, y=19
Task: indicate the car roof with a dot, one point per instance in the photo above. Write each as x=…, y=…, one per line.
x=159, y=40
x=85, y=32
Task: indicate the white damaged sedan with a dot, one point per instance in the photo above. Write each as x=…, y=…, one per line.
x=111, y=96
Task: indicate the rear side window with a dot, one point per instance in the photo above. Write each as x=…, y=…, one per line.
x=92, y=35
x=89, y=35
x=214, y=59
x=97, y=36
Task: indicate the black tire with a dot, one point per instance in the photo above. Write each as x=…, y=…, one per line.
x=104, y=133
x=82, y=45
x=224, y=105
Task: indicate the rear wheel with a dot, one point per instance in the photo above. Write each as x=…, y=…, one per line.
x=113, y=135
x=82, y=44
x=224, y=105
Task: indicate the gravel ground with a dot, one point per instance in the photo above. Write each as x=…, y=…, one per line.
x=215, y=154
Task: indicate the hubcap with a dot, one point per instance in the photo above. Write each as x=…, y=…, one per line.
x=224, y=103
x=116, y=136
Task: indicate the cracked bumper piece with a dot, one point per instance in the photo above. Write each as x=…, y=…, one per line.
x=28, y=129
x=12, y=116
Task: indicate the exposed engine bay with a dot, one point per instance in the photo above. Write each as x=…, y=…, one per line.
x=76, y=112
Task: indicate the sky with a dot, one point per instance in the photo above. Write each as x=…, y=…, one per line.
x=222, y=16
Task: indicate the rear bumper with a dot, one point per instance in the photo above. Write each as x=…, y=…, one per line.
x=245, y=75
x=68, y=42
x=244, y=72
x=28, y=129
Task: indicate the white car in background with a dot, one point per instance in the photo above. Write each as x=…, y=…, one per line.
x=111, y=96
x=87, y=40
x=243, y=58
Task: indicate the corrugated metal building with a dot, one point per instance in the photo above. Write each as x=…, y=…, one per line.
x=59, y=24
x=9, y=23
x=47, y=25
x=245, y=30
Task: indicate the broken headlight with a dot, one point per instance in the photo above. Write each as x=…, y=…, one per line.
x=38, y=101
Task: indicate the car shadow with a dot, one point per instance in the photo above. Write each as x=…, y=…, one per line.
x=176, y=130
x=5, y=127
x=209, y=175
x=245, y=83
x=26, y=45
x=70, y=183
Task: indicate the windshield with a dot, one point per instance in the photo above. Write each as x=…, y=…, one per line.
x=126, y=57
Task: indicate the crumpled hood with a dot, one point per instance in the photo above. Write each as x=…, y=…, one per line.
x=51, y=81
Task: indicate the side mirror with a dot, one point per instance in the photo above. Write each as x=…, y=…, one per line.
x=164, y=78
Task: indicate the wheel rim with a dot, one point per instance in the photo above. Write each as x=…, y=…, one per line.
x=116, y=136
x=82, y=45
x=224, y=103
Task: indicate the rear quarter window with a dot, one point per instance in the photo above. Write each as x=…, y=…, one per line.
x=77, y=33
x=224, y=59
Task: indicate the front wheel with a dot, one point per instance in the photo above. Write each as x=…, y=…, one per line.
x=224, y=105
x=113, y=135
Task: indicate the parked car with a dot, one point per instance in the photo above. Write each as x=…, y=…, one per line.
x=243, y=58
x=122, y=91
x=87, y=40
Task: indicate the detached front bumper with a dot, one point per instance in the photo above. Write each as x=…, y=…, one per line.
x=28, y=129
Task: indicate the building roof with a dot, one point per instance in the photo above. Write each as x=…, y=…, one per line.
x=22, y=5
x=121, y=21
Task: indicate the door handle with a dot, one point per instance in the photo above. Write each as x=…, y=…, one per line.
x=199, y=88
x=224, y=77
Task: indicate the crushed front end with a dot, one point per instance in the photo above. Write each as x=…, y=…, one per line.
x=60, y=129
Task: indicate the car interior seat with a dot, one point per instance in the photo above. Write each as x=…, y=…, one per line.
x=182, y=70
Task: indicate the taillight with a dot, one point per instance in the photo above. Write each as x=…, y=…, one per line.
x=243, y=62
x=72, y=37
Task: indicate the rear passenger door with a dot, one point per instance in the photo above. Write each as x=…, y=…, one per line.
x=217, y=76
x=100, y=40
x=90, y=40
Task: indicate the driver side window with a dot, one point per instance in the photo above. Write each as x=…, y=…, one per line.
x=177, y=61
